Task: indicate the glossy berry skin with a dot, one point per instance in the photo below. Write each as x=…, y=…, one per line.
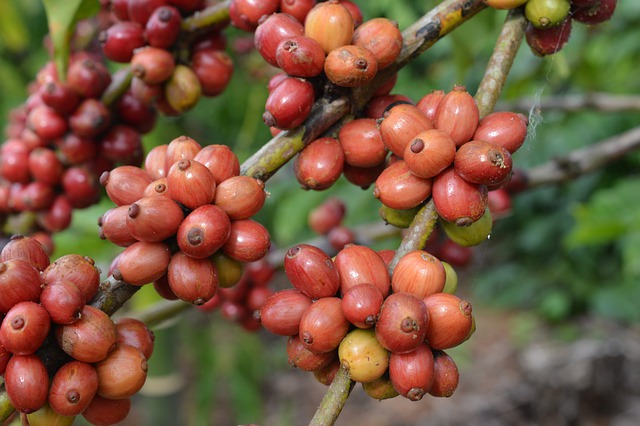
x=248, y=13
x=381, y=37
x=248, y=241
x=27, y=382
x=402, y=324
x=121, y=39
x=220, y=160
x=282, y=311
x=204, y=231
x=398, y=188
x=272, y=31
x=240, y=196
x=144, y=262
x=350, y=66
x=152, y=65
x=507, y=129
x=400, y=126
x=192, y=280
x=362, y=143
x=320, y=164
x=330, y=24
x=214, y=69
x=311, y=270
x=112, y=383
x=457, y=115
x=289, y=104
x=483, y=163
x=91, y=338
x=300, y=56
x=457, y=200
x=191, y=184
x=323, y=326
x=366, y=359
x=72, y=388
x=24, y=328
x=163, y=27
x=412, y=374
x=154, y=219
x=358, y=264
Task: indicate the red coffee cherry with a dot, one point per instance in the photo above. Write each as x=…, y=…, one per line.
x=26, y=382
x=191, y=184
x=362, y=143
x=361, y=305
x=192, y=280
x=91, y=338
x=133, y=332
x=483, y=163
x=142, y=262
x=204, y=231
x=4, y=359
x=125, y=184
x=300, y=56
x=457, y=200
x=122, y=373
x=24, y=328
x=547, y=41
x=247, y=13
x=136, y=113
x=272, y=31
x=402, y=323
x=507, y=129
x=152, y=65
x=297, y=8
x=44, y=166
x=327, y=215
x=80, y=270
x=429, y=153
x=282, y=311
x=63, y=300
x=76, y=150
x=240, y=196
x=89, y=78
x=180, y=148
x=398, y=188
x=121, y=39
x=350, y=66
x=220, y=160
x=20, y=281
x=73, y=387
x=455, y=254
x=419, y=273
x=381, y=37
x=113, y=226
x=446, y=375
x=499, y=203
x=330, y=24
x=355, y=12
x=46, y=122
x=59, y=96
x=377, y=106
x=323, y=326
x=593, y=12
x=319, y=164
x=311, y=270
x=302, y=358
x=154, y=219
x=154, y=162
x=248, y=241
x=214, y=69
x=450, y=320
x=80, y=186
x=340, y=236
x=401, y=124
x=289, y=104
x=428, y=104
x=25, y=248
x=149, y=94
x=412, y=373
x=104, y=412
x=457, y=115
x=358, y=264
x=163, y=27
x=13, y=162
x=156, y=188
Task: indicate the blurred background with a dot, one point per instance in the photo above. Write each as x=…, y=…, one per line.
x=555, y=291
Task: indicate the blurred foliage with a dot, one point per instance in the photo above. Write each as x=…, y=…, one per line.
x=566, y=250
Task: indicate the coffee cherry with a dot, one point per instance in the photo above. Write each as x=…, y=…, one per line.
x=350, y=66
x=401, y=124
x=381, y=37
x=156, y=188
x=377, y=106
x=412, y=374
x=457, y=115
x=214, y=69
x=326, y=216
x=121, y=39
x=89, y=78
x=381, y=388
x=451, y=283
x=323, y=326
x=192, y=280
x=46, y=122
x=361, y=305
x=45, y=416
x=326, y=374
x=471, y=235
x=273, y=30
x=311, y=270
x=319, y=164
x=247, y=13
x=450, y=320
x=402, y=323
x=398, y=218
x=154, y=162
x=25, y=248
x=20, y=281
x=44, y=166
x=503, y=128
x=191, y=184
x=152, y=65
x=161, y=286
x=341, y=236
x=113, y=226
x=429, y=153
x=300, y=56
x=547, y=41
x=457, y=200
x=80, y=270
x=122, y=373
x=143, y=262
x=302, y=358
x=220, y=161
x=60, y=97
x=73, y=387
x=446, y=375
x=80, y=187
x=419, y=273
x=455, y=254
x=153, y=219
x=428, y=104
x=362, y=143
x=91, y=338
x=546, y=13
x=282, y=312
x=204, y=231
x=362, y=354
x=24, y=328
x=13, y=160
x=483, y=163
x=135, y=113
x=180, y=148
x=182, y=90
x=140, y=10
x=73, y=149
x=297, y=8
x=289, y=104
x=593, y=12
x=63, y=300
x=125, y=184
x=358, y=264
x=398, y=188
x=240, y=196
x=330, y=24
x=248, y=241
x=163, y=27
x=106, y=412
x=133, y=332
x=26, y=382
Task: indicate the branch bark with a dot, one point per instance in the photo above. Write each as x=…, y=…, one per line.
x=334, y=399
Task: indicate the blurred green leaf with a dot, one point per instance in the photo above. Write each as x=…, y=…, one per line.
x=14, y=35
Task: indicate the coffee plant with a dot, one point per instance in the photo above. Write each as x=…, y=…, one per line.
x=184, y=215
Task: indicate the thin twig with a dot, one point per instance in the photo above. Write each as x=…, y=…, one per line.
x=334, y=400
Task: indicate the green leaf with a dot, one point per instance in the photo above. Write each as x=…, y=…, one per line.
x=13, y=33
x=62, y=16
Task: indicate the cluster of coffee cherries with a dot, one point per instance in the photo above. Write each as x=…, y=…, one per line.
x=328, y=40
x=171, y=69
x=390, y=333
x=326, y=219
x=550, y=21
x=186, y=205
x=60, y=356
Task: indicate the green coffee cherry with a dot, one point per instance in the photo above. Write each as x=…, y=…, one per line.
x=546, y=13
x=471, y=235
